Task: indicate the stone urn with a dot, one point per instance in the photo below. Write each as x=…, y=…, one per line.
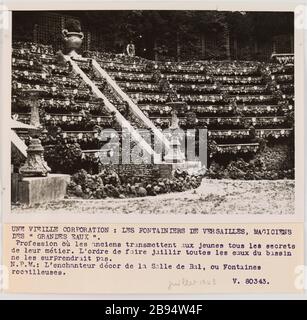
x=73, y=42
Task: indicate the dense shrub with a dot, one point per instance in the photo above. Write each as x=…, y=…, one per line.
x=73, y=25
x=64, y=158
x=109, y=184
x=252, y=170
x=17, y=158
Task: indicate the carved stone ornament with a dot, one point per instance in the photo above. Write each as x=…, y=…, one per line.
x=35, y=165
x=73, y=42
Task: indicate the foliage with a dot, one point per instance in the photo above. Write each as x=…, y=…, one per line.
x=174, y=33
x=17, y=158
x=109, y=184
x=63, y=157
x=252, y=170
x=73, y=25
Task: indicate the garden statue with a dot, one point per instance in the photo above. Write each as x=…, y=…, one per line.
x=131, y=49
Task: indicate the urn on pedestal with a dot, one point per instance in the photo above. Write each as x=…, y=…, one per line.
x=175, y=155
x=35, y=165
x=72, y=37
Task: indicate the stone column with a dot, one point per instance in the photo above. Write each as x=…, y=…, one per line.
x=35, y=165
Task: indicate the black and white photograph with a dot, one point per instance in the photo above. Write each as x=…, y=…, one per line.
x=153, y=112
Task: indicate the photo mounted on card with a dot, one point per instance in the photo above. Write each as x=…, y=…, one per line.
x=153, y=112
x=154, y=150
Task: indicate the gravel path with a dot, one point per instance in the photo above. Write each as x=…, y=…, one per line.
x=212, y=197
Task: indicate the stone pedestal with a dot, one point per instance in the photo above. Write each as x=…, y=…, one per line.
x=35, y=165
x=35, y=190
x=175, y=155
